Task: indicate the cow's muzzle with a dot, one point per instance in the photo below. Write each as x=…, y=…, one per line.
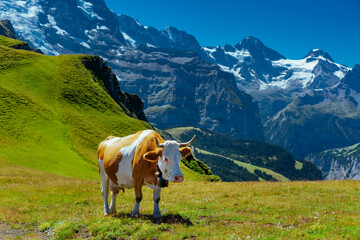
x=178, y=179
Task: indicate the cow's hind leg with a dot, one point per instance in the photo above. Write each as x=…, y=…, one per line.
x=104, y=186
x=138, y=197
x=114, y=192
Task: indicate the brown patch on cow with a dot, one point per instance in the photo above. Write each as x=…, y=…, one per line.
x=153, y=156
x=112, y=166
x=142, y=168
x=112, y=155
x=185, y=151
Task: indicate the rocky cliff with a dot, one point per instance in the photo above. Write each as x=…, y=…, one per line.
x=338, y=163
x=7, y=30
x=179, y=89
x=130, y=103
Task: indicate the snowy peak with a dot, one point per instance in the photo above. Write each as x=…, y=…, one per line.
x=318, y=53
x=249, y=42
x=170, y=37
x=258, y=50
x=65, y=27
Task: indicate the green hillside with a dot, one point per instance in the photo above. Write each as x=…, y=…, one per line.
x=53, y=113
x=230, y=157
x=250, y=168
x=9, y=42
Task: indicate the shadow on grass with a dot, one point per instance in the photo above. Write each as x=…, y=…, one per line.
x=167, y=218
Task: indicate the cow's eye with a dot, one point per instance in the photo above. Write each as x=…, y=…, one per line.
x=166, y=160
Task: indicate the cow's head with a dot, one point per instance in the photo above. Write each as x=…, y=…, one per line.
x=169, y=154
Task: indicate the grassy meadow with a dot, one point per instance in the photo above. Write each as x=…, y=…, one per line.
x=39, y=205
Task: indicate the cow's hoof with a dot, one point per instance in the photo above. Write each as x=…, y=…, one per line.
x=107, y=214
x=135, y=214
x=157, y=215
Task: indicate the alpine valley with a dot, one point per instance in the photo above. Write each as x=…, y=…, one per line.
x=246, y=90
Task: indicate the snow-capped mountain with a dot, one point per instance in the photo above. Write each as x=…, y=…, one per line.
x=257, y=67
x=62, y=27
x=135, y=34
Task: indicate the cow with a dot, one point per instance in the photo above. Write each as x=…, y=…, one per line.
x=143, y=158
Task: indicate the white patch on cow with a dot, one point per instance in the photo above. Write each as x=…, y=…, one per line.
x=150, y=185
x=111, y=141
x=124, y=174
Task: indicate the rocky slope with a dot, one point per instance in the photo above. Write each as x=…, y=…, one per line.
x=130, y=103
x=178, y=88
x=338, y=163
x=320, y=119
x=6, y=29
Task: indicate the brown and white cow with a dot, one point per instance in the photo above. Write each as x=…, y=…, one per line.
x=138, y=159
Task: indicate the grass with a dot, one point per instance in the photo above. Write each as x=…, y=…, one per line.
x=9, y=42
x=63, y=207
x=298, y=165
x=249, y=167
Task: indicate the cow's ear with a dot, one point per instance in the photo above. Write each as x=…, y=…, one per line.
x=153, y=156
x=185, y=151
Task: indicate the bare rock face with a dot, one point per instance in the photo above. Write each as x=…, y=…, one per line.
x=181, y=89
x=130, y=103
x=338, y=163
x=7, y=30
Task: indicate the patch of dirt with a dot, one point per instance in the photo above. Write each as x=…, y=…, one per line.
x=83, y=234
x=21, y=231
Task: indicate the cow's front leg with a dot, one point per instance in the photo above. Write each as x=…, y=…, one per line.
x=138, y=197
x=156, y=195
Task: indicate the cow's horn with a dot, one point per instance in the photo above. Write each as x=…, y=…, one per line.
x=158, y=145
x=187, y=143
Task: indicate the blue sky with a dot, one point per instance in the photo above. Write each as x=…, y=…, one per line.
x=290, y=27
